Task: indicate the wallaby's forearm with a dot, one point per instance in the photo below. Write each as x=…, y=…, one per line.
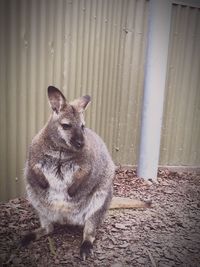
x=37, y=179
x=79, y=177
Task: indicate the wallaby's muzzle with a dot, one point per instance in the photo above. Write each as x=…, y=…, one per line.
x=78, y=139
x=78, y=144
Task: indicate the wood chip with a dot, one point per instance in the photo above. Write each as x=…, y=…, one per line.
x=51, y=246
x=120, y=226
x=151, y=258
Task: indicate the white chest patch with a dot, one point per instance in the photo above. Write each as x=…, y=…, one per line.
x=59, y=178
x=59, y=173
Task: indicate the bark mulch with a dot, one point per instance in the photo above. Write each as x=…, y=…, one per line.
x=167, y=234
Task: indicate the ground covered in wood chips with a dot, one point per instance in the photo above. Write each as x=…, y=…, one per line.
x=168, y=234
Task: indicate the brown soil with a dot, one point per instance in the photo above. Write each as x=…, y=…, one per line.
x=168, y=234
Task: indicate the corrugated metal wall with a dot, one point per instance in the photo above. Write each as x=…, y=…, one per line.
x=81, y=46
x=181, y=127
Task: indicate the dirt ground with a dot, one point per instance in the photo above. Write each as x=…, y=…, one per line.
x=168, y=234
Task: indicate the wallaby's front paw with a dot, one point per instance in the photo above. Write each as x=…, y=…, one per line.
x=86, y=249
x=72, y=190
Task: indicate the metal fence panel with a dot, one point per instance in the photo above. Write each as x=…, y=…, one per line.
x=181, y=128
x=81, y=46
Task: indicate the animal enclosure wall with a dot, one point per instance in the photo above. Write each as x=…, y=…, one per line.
x=181, y=127
x=81, y=46
x=94, y=47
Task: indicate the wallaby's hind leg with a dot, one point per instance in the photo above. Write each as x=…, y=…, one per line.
x=45, y=229
x=89, y=233
x=90, y=227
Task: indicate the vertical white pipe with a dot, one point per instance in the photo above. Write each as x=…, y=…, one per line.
x=154, y=87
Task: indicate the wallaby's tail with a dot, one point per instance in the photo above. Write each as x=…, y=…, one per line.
x=128, y=203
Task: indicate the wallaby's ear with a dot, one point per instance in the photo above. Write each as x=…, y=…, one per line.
x=81, y=103
x=56, y=99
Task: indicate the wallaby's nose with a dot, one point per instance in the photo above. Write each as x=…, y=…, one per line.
x=79, y=144
x=77, y=139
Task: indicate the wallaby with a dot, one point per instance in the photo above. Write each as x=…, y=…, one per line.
x=69, y=173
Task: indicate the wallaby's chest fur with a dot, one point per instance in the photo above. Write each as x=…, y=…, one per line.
x=58, y=168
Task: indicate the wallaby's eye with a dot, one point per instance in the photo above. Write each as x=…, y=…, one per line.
x=66, y=126
x=82, y=126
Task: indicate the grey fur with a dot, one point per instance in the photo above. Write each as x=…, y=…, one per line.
x=69, y=171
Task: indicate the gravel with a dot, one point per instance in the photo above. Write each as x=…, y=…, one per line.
x=165, y=235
